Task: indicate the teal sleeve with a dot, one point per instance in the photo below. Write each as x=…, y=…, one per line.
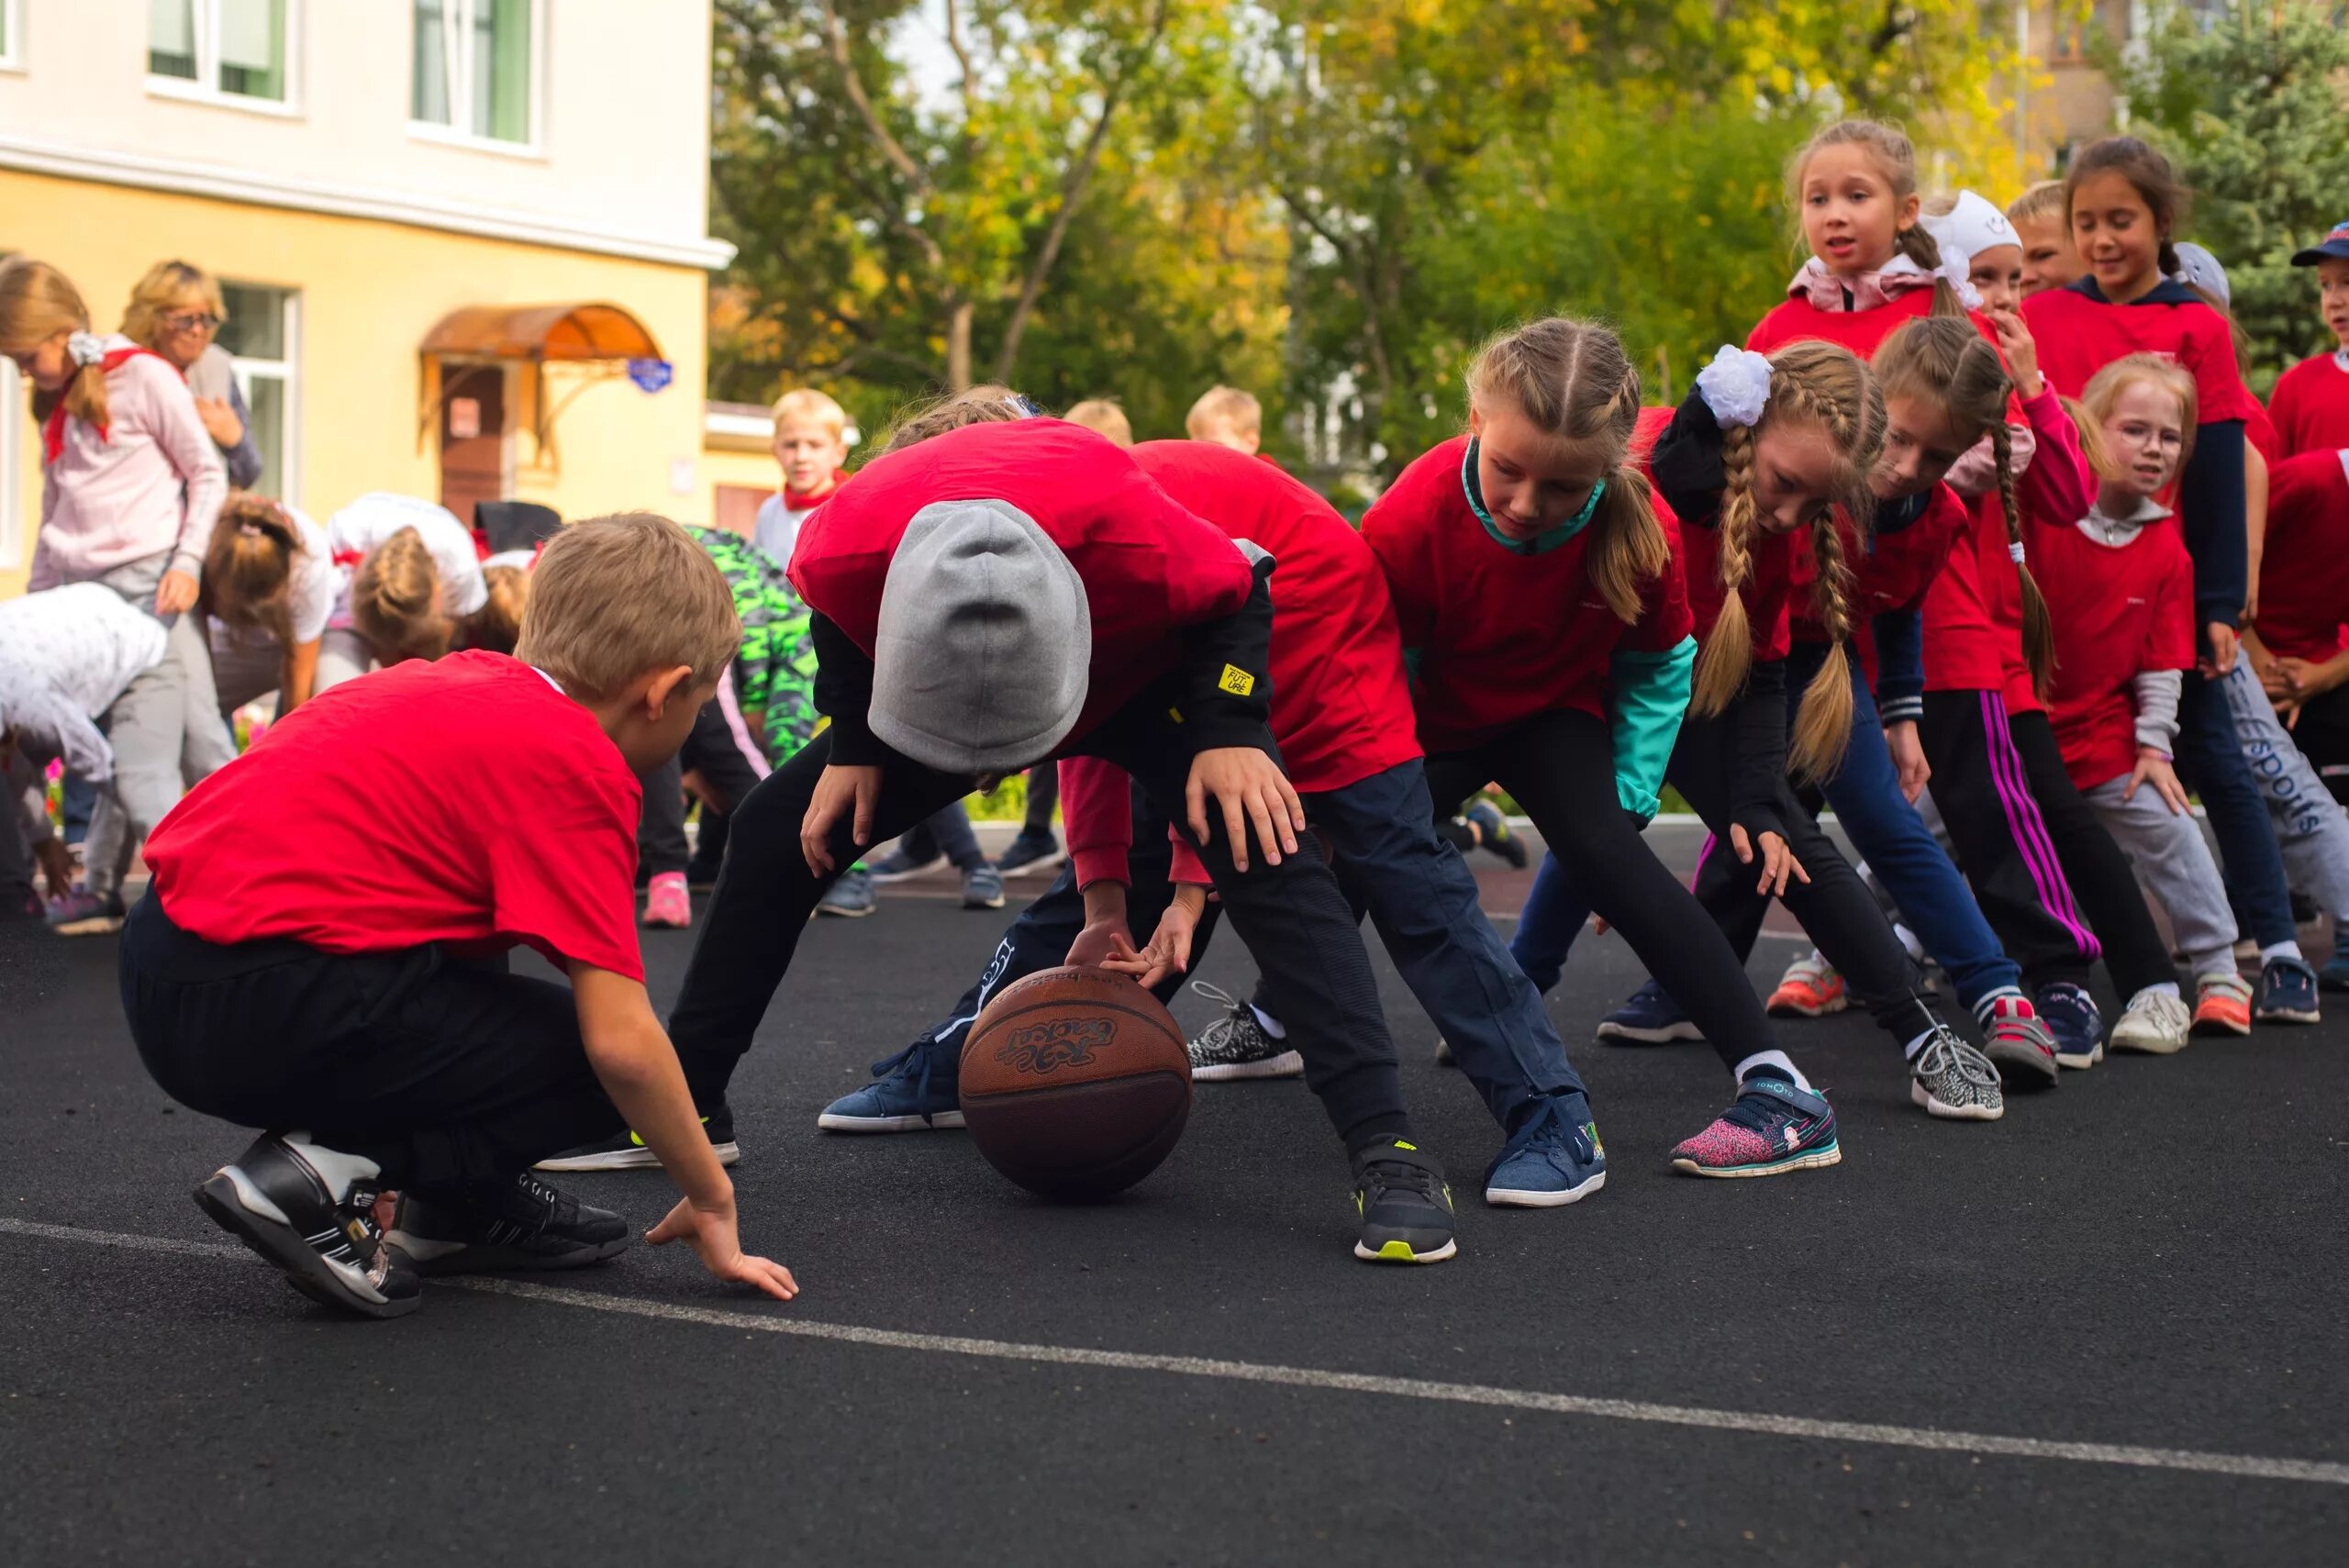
x=1651, y=695
x=1411, y=660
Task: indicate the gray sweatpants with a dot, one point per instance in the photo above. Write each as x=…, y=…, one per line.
x=2173, y=862
x=2310, y=828
x=343, y=655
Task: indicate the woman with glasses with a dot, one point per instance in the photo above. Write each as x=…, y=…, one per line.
x=175, y=310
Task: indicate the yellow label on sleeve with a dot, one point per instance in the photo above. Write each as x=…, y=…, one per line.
x=1237, y=681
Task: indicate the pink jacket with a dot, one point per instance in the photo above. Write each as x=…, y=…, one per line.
x=151, y=484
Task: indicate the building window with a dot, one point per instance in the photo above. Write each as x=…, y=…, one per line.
x=476, y=69
x=239, y=50
x=13, y=425
x=12, y=33
x=261, y=335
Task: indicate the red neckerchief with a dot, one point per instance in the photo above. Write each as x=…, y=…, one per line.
x=52, y=429
x=800, y=500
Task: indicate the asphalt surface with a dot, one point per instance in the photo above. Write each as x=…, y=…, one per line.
x=2148, y=1259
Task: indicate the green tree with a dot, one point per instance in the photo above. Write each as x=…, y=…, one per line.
x=2251, y=104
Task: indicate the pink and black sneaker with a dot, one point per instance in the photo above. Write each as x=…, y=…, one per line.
x=1771, y=1128
x=2013, y=1038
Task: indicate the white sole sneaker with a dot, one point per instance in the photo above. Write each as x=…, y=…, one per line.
x=1512, y=1198
x=1932, y=1105
x=942, y=1122
x=1287, y=1064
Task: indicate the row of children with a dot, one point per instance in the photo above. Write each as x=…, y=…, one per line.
x=1578, y=598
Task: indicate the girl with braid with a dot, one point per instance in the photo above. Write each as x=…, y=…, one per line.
x=1762, y=454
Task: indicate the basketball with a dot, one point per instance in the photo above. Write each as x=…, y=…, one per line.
x=1075, y=1083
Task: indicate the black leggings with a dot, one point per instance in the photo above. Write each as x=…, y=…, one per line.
x=1835, y=907
x=1560, y=768
x=1292, y=916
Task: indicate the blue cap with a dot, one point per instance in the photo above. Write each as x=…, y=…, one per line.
x=2333, y=247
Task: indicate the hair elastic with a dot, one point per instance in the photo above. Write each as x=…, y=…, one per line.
x=2014, y=552
x=87, y=348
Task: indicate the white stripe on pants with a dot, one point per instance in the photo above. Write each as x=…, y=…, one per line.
x=2310, y=828
x=2173, y=862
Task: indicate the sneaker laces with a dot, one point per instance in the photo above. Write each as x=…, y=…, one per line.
x=917, y=1061
x=1222, y=1038
x=1382, y=1172
x=1812, y=966
x=1549, y=1130
x=1946, y=1051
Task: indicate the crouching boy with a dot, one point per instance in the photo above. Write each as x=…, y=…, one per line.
x=323, y=957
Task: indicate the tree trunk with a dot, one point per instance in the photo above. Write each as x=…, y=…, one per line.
x=958, y=346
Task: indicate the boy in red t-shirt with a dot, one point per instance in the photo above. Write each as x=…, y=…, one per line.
x=2310, y=403
x=340, y=979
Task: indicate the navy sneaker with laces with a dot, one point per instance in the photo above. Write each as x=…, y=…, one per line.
x=1554, y=1159
x=2070, y=1014
x=2287, y=993
x=913, y=1091
x=1649, y=1018
x=1404, y=1203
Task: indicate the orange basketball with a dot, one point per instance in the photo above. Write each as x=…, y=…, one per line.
x=1075, y=1083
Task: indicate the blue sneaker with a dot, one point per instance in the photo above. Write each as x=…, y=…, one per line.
x=1649, y=1018
x=906, y=1096
x=2070, y=1014
x=1554, y=1159
x=850, y=897
x=1771, y=1128
x=2287, y=993
x=2334, y=975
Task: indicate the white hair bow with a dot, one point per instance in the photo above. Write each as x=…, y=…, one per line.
x=87, y=348
x=1735, y=386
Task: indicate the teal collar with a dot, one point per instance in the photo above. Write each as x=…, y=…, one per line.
x=1540, y=543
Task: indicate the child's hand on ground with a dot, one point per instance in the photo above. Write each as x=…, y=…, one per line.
x=2153, y=768
x=1778, y=862
x=712, y=1234
x=1251, y=788
x=838, y=791
x=175, y=594
x=1907, y=758
x=1169, y=952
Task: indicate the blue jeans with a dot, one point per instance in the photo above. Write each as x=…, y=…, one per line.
x=2211, y=758
x=946, y=832
x=1893, y=839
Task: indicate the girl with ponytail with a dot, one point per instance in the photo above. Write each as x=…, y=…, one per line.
x=268, y=589
x=1757, y=464
x=131, y=483
x=1544, y=622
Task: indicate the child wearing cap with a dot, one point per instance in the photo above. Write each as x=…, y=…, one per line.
x=2310, y=403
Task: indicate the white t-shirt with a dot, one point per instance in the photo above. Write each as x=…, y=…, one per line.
x=365, y=524
x=310, y=592
x=777, y=528
x=66, y=655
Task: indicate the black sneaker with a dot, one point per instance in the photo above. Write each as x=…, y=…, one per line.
x=1404, y=1205
x=324, y=1240
x=518, y=1224
x=626, y=1151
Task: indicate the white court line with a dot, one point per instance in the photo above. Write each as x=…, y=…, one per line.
x=2245, y=1466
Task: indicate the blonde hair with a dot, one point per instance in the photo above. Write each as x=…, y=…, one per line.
x=614, y=599
x=2104, y=390
x=160, y=292
x=2041, y=202
x=1226, y=409
x=806, y=402
x=498, y=624
x=37, y=303
x=249, y=568
x=1947, y=362
x=1573, y=381
x=1103, y=417
x=1824, y=385
x=984, y=405
x=395, y=601
x=1895, y=158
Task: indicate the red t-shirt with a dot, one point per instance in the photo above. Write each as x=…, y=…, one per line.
x=1501, y=635
x=1891, y=568
x=2118, y=613
x=1862, y=331
x=465, y=801
x=2310, y=407
x=1150, y=568
x=1342, y=710
x=2078, y=336
x=2304, y=573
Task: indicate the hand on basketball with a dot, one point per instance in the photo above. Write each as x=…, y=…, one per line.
x=711, y=1233
x=1778, y=862
x=838, y=791
x=1251, y=788
x=1169, y=952
x=1096, y=944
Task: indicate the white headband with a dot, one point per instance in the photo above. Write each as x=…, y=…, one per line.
x=1735, y=386
x=1970, y=228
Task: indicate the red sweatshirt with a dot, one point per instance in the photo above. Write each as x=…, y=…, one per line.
x=2304, y=576
x=1150, y=569
x=1341, y=708
x=1502, y=633
x=2310, y=406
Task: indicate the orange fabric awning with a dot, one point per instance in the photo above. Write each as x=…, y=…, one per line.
x=542, y=333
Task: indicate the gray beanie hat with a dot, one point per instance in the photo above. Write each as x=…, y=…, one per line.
x=980, y=660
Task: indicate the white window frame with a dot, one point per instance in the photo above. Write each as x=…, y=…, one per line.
x=205, y=89
x=459, y=65
x=12, y=35
x=288, y=371
x=12, y=480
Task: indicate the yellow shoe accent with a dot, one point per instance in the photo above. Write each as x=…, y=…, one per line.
x=1412, y=1147
x=1399, y=1251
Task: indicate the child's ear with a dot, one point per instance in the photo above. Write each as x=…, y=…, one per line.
x=671, y=685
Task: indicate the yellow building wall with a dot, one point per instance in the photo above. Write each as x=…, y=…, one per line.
x=369, y=292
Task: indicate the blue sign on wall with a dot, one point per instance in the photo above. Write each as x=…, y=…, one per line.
x=652, y=374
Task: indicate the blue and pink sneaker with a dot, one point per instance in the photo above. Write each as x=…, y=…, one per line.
x=1772, y=1128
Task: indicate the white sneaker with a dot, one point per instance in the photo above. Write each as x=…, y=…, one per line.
x=2155, y=1022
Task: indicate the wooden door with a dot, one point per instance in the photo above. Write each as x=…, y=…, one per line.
x=473, y=437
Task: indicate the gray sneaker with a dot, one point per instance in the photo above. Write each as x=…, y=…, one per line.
x=1236, y=1046
x=1954, y=1080
x=850, y=897
x=983, y=887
